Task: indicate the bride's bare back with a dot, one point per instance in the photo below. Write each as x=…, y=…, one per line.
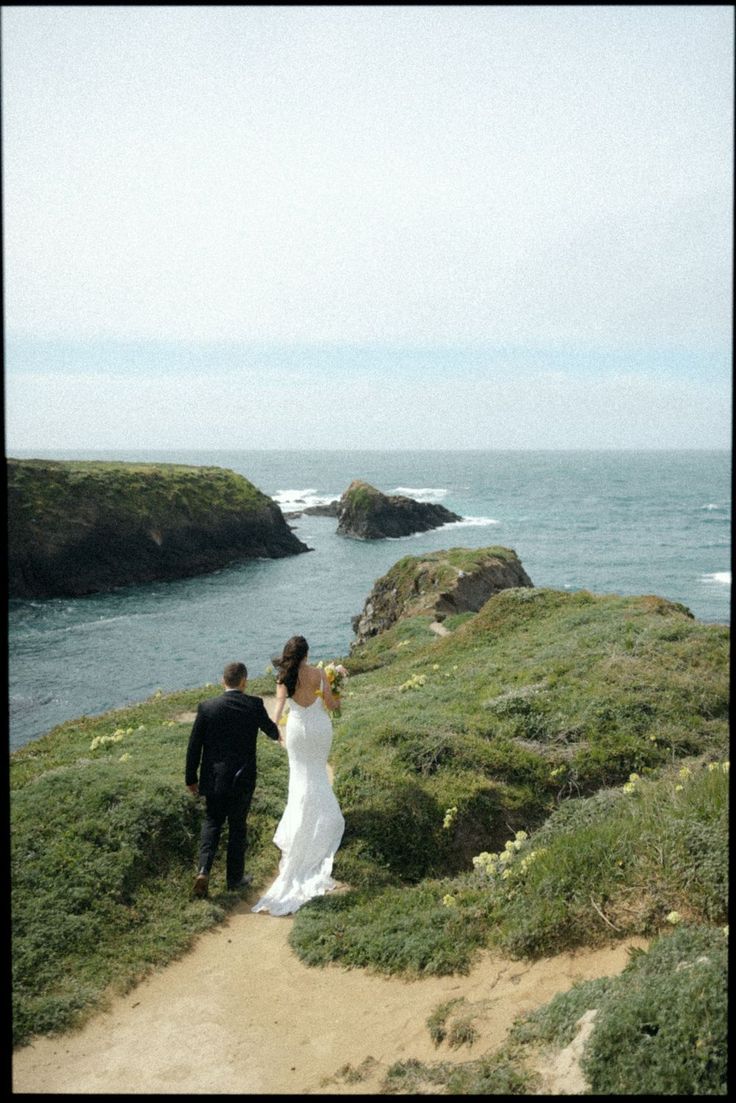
x=307, y=685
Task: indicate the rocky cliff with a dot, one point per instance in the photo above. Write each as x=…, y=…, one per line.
x=365, y=513
x=82, y=527
x=454, y=581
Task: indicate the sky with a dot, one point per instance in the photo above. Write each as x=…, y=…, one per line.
x=367, y=227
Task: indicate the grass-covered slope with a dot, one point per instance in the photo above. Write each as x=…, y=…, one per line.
x=540, y=696
x=658, y=1028
x=76, y=527
x=446, y=749
x=104, y=842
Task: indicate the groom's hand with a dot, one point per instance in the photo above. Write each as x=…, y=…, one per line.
x=193, y=789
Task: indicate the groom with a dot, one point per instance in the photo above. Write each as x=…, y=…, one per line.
x=224, y=740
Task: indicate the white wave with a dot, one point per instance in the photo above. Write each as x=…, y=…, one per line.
x=466, y=522
x=722, y=577
x=421, y=493
x=712, y=505
x=290, y=501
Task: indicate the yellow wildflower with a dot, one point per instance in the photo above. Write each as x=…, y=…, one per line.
x=449, y=901
x=684, y=773
x=678, y=788
x=124, y=757
x=673, y=918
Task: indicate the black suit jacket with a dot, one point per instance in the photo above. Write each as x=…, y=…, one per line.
x=224, y=740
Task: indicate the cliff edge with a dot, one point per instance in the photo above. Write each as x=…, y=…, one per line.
x=82, y=527
x=454, y=581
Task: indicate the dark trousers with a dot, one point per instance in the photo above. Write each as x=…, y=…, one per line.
x=232, y=807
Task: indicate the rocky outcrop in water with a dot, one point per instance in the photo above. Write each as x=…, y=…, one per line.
x=327, y=509
x=365, y=513
x=84, y=527
x=458, y=580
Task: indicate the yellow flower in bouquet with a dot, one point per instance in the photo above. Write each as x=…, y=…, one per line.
x=336, y=675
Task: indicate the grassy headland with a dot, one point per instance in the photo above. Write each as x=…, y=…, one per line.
x=511, y=741
x=79, y=527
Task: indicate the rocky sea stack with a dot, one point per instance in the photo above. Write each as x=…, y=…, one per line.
x=365, y=513
x=83, y=527
x=458, y=580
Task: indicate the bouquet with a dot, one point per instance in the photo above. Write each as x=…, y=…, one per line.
x=336, y=675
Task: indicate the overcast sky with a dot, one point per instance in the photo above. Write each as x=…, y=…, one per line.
x=362, y=227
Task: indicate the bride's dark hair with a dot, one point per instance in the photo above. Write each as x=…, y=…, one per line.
x=287, y=664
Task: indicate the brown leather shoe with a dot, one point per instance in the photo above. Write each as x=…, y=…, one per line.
x=201, y=883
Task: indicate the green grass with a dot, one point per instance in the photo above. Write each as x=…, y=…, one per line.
x=530, y=716
x=45, y=492
x=539, y=697
x=494, y=1074
x=661, y=1024
x=103, y=853
x=659, y=1029
x=601, y=868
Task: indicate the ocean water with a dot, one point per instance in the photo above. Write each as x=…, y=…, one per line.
x=609, y=522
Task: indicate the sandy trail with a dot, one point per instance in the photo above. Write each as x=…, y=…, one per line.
x=240, y=1013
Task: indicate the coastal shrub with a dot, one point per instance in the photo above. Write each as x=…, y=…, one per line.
x=544, y=695
x=103, y=848
x=498, y=1073
x=397, y=930
x=427, y=778
x=602, y=867
x=618, y=863
x=661, y=1024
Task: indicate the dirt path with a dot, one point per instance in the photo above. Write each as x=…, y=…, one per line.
x=241, y=1014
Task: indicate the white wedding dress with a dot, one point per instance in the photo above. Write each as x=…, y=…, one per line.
x=311, y=827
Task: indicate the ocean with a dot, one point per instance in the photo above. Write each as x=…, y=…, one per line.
x=609, y=522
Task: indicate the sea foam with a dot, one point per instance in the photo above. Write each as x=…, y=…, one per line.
x=291, y=501
x=465, y=522
x=422, y=493
x=722, y=577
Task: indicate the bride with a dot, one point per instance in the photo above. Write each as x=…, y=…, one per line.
x=311, y=827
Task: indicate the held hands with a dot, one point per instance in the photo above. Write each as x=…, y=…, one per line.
x=194, y=789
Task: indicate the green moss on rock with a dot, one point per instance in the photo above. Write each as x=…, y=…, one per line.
x=78, y=527
x=456, y=580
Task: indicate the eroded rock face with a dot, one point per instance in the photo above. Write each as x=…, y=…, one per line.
x=365, y=513
x=458, y=580
x=84, y=527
